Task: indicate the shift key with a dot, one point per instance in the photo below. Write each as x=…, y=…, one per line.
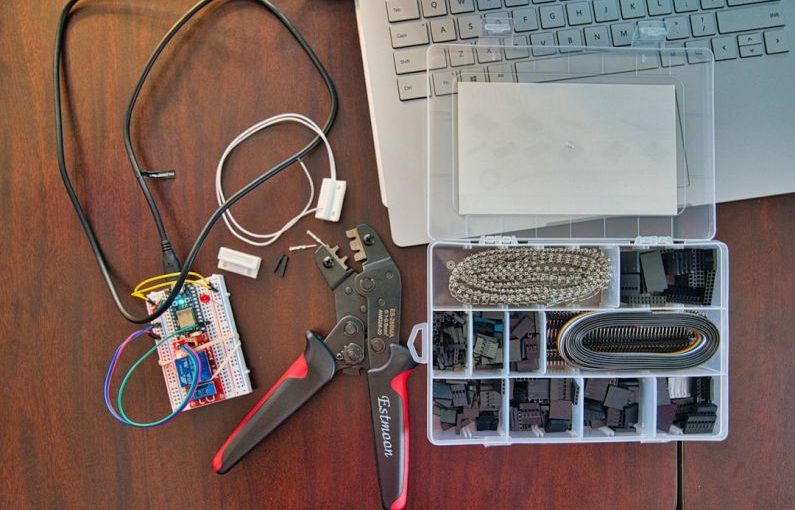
x=751, y=18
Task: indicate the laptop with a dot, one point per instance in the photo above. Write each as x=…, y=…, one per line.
x=754, y=79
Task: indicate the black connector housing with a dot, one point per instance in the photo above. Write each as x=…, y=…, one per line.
x=171, y=263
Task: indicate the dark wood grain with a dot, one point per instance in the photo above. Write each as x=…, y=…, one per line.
x=754, y=467
x=235, y=66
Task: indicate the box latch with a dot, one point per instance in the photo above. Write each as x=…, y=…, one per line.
x=653, y=241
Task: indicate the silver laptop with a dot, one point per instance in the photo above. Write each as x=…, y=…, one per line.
x=754, y=79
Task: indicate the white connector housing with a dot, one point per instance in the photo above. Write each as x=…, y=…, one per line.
x=238, y=262
x=329, y=201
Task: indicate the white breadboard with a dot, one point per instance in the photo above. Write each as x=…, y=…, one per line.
x=219, y=326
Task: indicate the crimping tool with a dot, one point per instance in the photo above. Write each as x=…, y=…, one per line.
x=366, y=336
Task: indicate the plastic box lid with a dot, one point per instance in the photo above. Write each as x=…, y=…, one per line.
x=688, y=70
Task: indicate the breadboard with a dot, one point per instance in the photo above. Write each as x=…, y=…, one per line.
x=215, y=326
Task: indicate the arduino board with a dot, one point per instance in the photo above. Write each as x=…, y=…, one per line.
x=204, y=314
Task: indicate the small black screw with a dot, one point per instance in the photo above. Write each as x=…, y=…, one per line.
x=369, y=239
x=328, y=262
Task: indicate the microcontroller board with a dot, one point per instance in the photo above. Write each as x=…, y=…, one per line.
x=204, y=314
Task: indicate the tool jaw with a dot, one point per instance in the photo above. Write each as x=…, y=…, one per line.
x=372, y=295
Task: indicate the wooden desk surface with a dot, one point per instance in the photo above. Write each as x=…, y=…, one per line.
x=233, y=67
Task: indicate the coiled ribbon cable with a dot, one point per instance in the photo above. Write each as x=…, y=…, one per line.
x=638, y=340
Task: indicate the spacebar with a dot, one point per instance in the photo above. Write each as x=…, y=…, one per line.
x=751, y=18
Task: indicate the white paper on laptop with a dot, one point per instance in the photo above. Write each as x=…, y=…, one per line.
x=566, y=149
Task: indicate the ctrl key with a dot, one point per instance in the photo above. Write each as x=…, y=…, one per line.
x=412, y=87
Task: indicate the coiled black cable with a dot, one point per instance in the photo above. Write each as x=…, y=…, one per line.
x=164, y=241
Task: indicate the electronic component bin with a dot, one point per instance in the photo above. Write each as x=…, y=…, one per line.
x=454, y=236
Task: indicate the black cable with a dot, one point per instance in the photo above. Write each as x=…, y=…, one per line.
x=170, y=261
x=84, y=222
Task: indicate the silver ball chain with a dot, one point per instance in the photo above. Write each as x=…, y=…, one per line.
x=524, y=276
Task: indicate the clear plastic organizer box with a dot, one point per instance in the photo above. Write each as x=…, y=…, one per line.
x=621, y=238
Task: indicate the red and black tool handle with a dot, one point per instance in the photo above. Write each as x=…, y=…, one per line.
x=390, y=410
x=310, y=372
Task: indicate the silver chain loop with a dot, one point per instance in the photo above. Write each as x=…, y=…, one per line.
x=524, y=276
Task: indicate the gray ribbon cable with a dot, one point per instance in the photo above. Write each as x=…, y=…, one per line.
x=638, y=340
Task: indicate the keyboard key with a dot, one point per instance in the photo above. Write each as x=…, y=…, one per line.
x=516, y=3
x=437, y=57
x=581, y=65
x=433, y=59
x=685, y=5
x=461, y=56
x=631, y=9
x=672, y=55
x=678, y=27
x=543, y=1
x=408, y=34
x=597, y=36
x=469, y=26
x=749, y=39
x=585, y=65
x=695, y=53
x=659, y=7
x=525, y=19
x=569, y=37
x=402, y=10
x=733, y=3
x=489, y=4
x=410, y=61
x=541, y=40
x=776, y=41
x=712, y=4
x=552, y=16
x=579, y=13
x=750, y=18
x=443, y=82
x=647, y=61
x=432, y=8
x=557, y=65
x=412, y=86
x=489, y=54
x=518, y=51
x=724, y=48
x=605, y=10
x=753, y=50
x=703, y=24
x=462, y=6
x=497, y=23
x=501, y=73
x=619, y=63
x=472, y=75
x=622, y=33
x=442, y=30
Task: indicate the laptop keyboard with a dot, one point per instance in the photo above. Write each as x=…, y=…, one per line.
x=732, y=29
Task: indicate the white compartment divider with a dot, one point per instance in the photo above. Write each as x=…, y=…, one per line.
x=470, y=343
x=541, y=324
x=506, y=343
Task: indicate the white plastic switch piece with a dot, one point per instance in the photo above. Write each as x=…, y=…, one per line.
x=238, y=262
x=329, y=201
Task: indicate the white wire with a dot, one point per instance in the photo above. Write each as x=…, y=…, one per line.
x=234, y=227
x=227, y=358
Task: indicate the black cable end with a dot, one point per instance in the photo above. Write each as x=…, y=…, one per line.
x=171, y=263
